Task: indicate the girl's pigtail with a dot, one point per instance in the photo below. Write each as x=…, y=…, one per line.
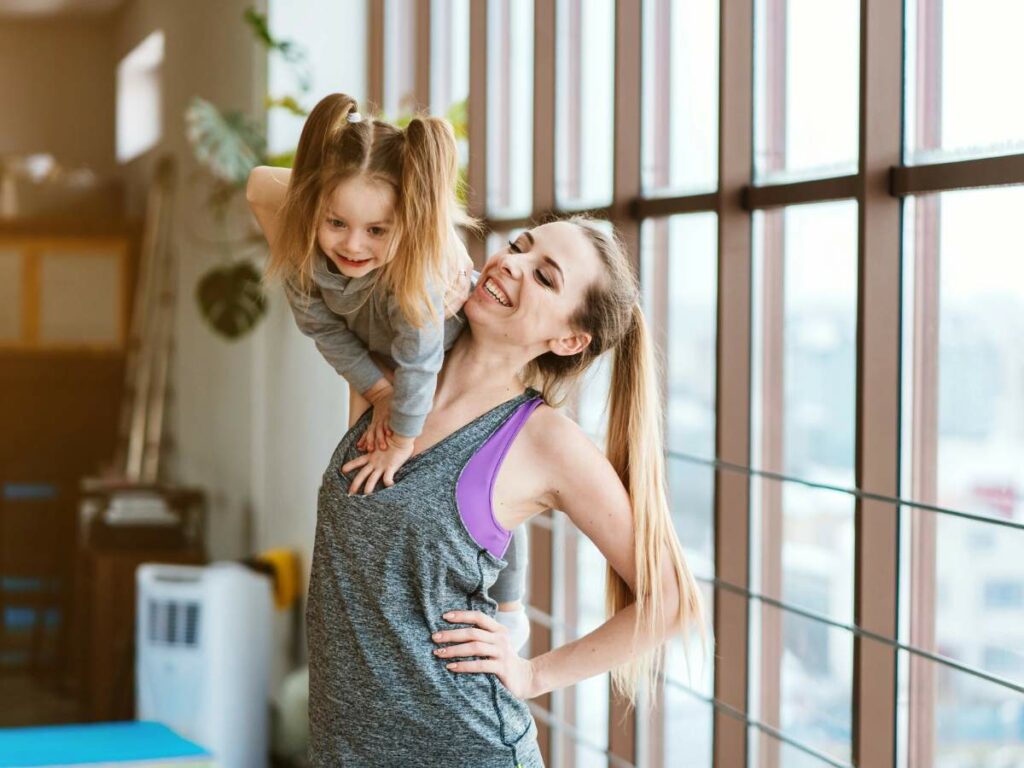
x=324, y=132
x=426, y=212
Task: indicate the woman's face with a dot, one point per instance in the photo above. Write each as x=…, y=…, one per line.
x=529, y=290
x=357, y=225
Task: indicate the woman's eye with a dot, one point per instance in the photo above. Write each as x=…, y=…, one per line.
x=377, y=231
x=543, y=279
x=513, y=247
x=336, y=223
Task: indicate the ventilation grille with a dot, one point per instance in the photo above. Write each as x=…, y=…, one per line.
x=173, y=623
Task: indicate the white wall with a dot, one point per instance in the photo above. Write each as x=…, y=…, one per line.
x=254, y=421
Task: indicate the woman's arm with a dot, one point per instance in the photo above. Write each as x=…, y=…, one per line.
x=265, y=193
x=581, y=483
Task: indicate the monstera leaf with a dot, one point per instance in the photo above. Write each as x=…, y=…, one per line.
x=231, y=299
x=228, y=145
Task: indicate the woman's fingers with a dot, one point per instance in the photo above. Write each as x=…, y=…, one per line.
x=478, y=665
x=462, y=635
x=476, y=648
x=481, y=620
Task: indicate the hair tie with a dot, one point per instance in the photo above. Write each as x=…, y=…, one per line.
x=354, y=117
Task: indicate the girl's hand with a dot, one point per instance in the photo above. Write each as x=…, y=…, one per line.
x=378, y=465
x=376, y=436
x=487, y=639
x=459, y=287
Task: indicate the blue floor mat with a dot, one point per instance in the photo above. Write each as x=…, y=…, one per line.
x=63, y=745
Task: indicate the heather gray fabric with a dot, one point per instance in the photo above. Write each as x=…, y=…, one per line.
x=347, y=321
x=385, y=568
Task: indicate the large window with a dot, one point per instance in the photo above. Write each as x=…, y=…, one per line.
x=821, y=200
x=963, y=584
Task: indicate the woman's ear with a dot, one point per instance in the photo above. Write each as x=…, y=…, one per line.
x=570, y=345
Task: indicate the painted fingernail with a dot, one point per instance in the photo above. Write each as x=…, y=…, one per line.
x=453, y=665
x=439, y=651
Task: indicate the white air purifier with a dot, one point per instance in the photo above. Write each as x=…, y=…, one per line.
x=203, y=657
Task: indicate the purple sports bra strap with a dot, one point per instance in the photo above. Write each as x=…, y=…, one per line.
x=475, y=487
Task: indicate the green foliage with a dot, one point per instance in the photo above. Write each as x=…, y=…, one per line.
x=228, y=145
x=231, y=298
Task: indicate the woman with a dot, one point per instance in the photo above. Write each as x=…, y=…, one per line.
x=407, y=665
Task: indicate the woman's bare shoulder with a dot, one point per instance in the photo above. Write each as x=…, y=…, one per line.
x=557, y=440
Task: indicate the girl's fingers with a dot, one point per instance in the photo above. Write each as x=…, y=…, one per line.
x=389, y=477
x=482, y=620
x=360, y=478
x=374, y=477
x=354, y=464
x=467, y=649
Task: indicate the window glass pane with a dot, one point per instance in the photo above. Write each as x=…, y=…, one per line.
x=804, y=319
x=449, y=50
x=140, y=98
x=687, y=724
x=807, y=76
x=974, y=723
x=331, y=68
x=680, y=96
x=679, y=276
x=591, y=695
x=509, y=107
x=801, y=685
x=766, y=751
x=449, y=69
x=399, y=57
x=965, y=70
x=583, y=95
x=962, y=580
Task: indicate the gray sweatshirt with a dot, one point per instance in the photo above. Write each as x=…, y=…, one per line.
x=347, y=320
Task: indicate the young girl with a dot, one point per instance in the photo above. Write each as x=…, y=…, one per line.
x=362, y=233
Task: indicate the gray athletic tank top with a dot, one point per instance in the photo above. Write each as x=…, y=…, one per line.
x=385, y=568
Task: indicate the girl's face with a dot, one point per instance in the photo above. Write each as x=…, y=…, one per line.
x=357, y=225
x=530, y=289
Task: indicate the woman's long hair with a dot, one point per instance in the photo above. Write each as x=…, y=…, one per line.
x=611, y=314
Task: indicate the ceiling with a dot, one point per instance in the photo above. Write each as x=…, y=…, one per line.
x=46, y=9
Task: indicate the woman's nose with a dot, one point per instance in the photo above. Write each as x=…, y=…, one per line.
x=510, y=265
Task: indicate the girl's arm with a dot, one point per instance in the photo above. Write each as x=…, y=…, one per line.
x=582, y=483
x=265, y=193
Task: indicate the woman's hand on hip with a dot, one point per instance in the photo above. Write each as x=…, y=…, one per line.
x=488, y=640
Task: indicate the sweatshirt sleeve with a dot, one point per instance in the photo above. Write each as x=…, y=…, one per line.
x=418, y=354
x=340, y=347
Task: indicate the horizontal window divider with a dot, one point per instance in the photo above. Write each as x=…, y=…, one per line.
x=855, y=492
x=763, y=727
x=867, y=634
x=652, y=207
x=982, y=172
x=798, y=192
x=553, y=721
x=540, y=217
